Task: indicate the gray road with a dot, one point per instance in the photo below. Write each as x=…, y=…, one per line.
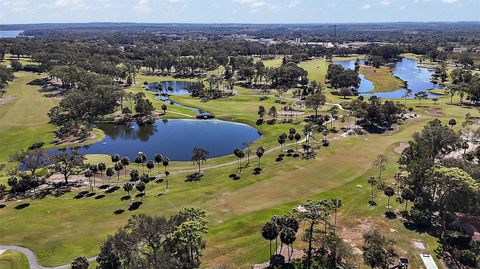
x=32, y=258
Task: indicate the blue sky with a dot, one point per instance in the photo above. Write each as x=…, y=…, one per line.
x=237, y=11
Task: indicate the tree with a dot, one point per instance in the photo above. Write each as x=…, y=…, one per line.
x=67, y=162
x=166, y=162
x=312, y=213
x=378, y=251
x=12, y=182
x=115, y=158
x=315, y=102
x=380, y=162
x=102, y=167
x=128, y=187
x=89, y=174
x=389, y=192
x=421, y=95
x=199, y=156
x=125, y=161
x=261, y=112
x=150, y=166
x=407, y=195
x=158, y=159
x=80, y=263
x=372, y=183
x=259, y=152
x=272, y=112
x=31, y=159
x=452, y=122
x=408, y=93
x=239, y=154
x=140, y=187
x=118, y=167
x=109, y=172
x=270, y=233
x=3, y=191
x=164, y=108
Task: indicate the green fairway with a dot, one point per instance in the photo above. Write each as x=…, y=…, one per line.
x=13, y=260
x=58, y=229
x=382, y=78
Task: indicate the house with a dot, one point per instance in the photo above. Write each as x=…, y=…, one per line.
x=460, y=49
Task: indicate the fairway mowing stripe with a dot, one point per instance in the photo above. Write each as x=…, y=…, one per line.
x=170, y=202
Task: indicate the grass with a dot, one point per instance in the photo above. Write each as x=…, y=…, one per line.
x=382, y=79
x=60, y=228
x=13, y=260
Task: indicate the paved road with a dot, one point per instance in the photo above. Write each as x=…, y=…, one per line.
x=32, y=258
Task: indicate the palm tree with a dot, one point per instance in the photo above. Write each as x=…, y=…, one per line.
x=141, y=158
x=389, y=192
x=408, y=93
x=140, y=187
x=298, y=137
x=134, y=175
x=199, y=156
x=260, y=151
x=281, y=140
x=465, y=146
x=94, y=169
x=158, y=159
x=115, y=158
x=452, y=122
x=287, y=237
x=138, y=161
x=128, y=187
x=125, y=161
x=150, y=166
x=109, y=172
x=239, y=153
x=372, y=182
x=336, y=204
x=164, y=108
x=270, y=233
x=407, y=195
x=89, y=174
x=118, y=168
x=101, y=168
x=166, y=162
x=248, y=151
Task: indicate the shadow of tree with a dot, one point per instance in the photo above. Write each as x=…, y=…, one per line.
x=98, y=197
x=126, y=197
x=22, y=206
x=135, y=206
x=2, y=206
x=112, y=189
x=118, y=211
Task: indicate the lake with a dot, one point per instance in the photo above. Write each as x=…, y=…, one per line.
x=170, y=87
x=10, y=33
x=173, y=138
x=365, y=84
x=417, y=78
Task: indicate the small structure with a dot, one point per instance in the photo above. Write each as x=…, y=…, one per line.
x=468, y=224
x=428, y=261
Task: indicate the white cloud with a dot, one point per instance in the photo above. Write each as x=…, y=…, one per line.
x=294, y=3
x=366, y=6
x=450, y=1
x=385, y=2
x=258, y=5
x=142, y=5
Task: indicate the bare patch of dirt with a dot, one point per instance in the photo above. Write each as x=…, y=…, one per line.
x=354, y=236
x=73, y=140
x=435, y=111
x=6, y=99
x=401, y=148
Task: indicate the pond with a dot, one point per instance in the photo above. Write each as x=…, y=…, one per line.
x=170, y=87
x=173, y=138
x=365, y=84
x=166, y=88
x=417, y=78
x=10, y=33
